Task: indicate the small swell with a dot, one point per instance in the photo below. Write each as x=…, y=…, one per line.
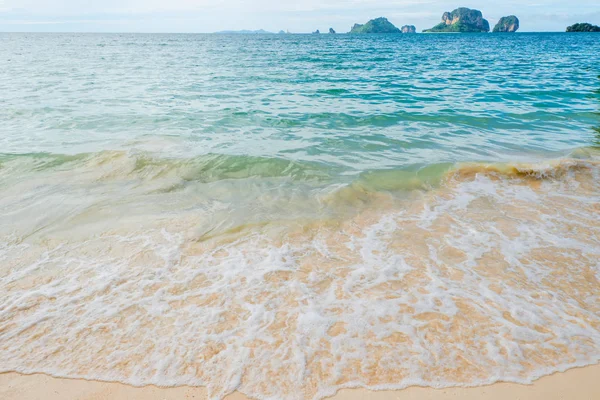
x=557, y=169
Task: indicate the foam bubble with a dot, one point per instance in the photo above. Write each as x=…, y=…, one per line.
x=493, y=276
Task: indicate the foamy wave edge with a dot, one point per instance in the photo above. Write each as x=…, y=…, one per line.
x=554, y=169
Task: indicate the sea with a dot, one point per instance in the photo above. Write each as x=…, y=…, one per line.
x=288, y=215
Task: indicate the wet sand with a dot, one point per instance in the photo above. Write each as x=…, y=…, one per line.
x=575, y=384
x=491, y=276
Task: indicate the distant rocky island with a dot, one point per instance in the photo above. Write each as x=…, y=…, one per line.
x=583, y=27
x=462, y=20
x=377, y=25
x=381, y=25
x=507, y=24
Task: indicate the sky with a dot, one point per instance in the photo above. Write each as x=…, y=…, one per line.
x=274, y=15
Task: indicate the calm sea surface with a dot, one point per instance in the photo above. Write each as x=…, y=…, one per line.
x=287, y=215
x=348, y=102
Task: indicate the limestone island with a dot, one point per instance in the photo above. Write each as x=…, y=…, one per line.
x=408, y=29
x=331, y=31
x=377, y=25
x=583, y=27
x=317, y=32
x=462, y=20
x=507, y=24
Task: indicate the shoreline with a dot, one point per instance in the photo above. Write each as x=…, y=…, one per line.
x=575, y=384
x=371, y=218
x=522, y=333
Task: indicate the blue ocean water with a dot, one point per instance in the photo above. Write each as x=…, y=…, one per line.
x=289, y=215
x=351, y=102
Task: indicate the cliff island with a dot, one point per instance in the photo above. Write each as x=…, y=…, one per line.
x=461, y=20
x=507, y=24
x=377, y=25
x=408, y=29
x=583, y=27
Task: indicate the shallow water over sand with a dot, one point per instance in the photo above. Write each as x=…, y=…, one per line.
x=183, y=219
x=491, y=275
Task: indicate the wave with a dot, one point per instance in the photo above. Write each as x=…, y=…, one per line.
x=487, y=273
x=214, y=167
x=557, y=169
x=205, y=168
x=371, y=184
x=440, y=275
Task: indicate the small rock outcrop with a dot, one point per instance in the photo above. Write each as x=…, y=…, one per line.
x=583, y=27
x=408, y=29
x=331, y=31
x=377, y=25
x=317, y=32
x=507, y=24
x=462, y=20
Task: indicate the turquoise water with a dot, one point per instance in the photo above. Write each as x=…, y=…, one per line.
x=353, y=103
x=289, y=215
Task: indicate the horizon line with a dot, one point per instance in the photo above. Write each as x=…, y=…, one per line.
x=250, y=32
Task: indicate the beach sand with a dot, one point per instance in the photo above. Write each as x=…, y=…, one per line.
x=575, y=384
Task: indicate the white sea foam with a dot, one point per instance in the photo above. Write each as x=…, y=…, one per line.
x=488, y=278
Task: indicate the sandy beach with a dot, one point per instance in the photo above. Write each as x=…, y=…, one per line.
x=575, y=384
x=281, y=217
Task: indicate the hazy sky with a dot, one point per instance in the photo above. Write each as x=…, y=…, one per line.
x=273, y=15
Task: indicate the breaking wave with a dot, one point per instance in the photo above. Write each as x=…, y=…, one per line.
x=286, y=281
